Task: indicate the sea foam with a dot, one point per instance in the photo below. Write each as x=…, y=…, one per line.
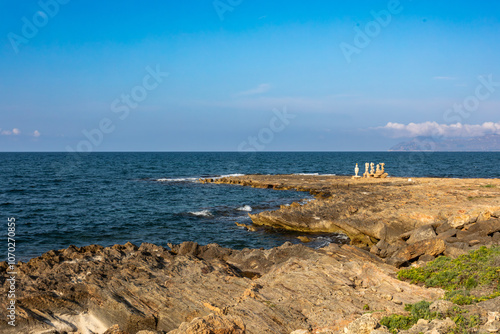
x=202, y=213
x=247, y=208
x=180, y=179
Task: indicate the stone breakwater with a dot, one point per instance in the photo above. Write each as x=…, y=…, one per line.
x=391, y=216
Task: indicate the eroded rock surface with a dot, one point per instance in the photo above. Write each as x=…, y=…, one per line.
x=369, y=210
x=204, y=289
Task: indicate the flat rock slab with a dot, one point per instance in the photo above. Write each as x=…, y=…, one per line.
x=369, y=210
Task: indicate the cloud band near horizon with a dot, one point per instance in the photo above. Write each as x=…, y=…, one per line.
x=426, y=129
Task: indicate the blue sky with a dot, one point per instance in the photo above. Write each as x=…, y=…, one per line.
x=235, y=67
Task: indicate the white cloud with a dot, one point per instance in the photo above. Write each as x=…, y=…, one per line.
x=14, y=132
x=411, y=130
x=36, y=133
x=260, y=89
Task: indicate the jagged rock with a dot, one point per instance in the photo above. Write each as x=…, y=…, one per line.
x=441, y=306
x=491, y=304
x=374, y=250
x=393, y=248
x=212, y=324
x=443, y=228
x=421, y=233
x=433, y=327
x=448, y=234
x=431, y=247
x=115, y=329
x=484, y=228
x=460, y=220
x=454, y=252
x=152, y=288
x=381, y=330
x=426, y=258
x=363, y=325
x=493, y=324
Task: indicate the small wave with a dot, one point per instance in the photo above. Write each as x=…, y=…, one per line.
x=323, y=241
x=202, y=213
x=228, y=175
x=314, y=174
x=247, y=208
x=180, y=179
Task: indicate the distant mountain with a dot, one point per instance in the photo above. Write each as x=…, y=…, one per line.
x=487, y=143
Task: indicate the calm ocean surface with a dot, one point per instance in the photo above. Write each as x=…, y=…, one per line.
x=108, y=198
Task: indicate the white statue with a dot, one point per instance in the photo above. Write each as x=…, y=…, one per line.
x=372, y=168
x=356, y=171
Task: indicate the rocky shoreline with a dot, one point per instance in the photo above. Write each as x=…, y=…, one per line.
x=189, y=288
x=281, y=290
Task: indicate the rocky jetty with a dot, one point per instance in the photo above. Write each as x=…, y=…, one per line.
x=376, y=211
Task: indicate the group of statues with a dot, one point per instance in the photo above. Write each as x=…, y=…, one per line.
x=371, y=171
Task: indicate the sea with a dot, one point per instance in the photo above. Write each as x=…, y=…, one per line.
x=63, y=199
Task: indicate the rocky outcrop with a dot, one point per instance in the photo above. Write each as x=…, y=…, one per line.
x=204, y=289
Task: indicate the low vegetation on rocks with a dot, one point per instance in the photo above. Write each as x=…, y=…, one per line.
x=468, y=279
x=464, y=322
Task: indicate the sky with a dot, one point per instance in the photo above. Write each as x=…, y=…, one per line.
x=241, y=75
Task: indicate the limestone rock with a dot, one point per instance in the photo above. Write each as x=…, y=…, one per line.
x=369, y=210
x=443, y=228
x=211, y=324
x=115, y=329
x=433, y=327
x=363, y=325
x=421, y=233
x=460, y=220
x=441, y=306
x=493, y=324
x=279, y=290
x=431, y=247
x=491, y=304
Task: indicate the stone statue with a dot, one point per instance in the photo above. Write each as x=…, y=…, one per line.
x=378, y=169
x=372, y=168
x=356, y=171
x=382, y=167
x=366, y=174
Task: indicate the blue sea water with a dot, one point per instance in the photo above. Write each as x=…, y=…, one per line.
x=62, y=199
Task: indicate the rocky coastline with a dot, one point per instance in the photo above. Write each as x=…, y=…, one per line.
x=188, y=288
